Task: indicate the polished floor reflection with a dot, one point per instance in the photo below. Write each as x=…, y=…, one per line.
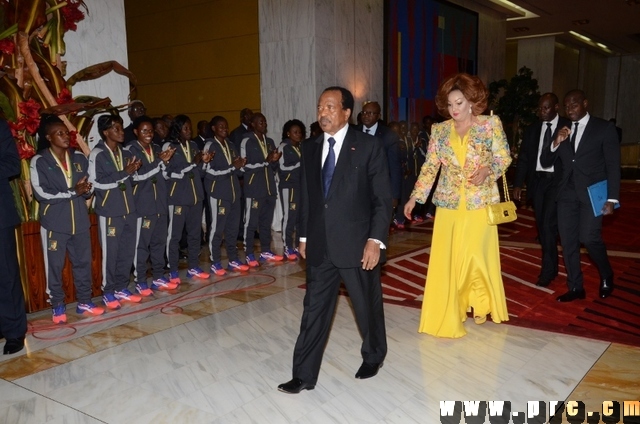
x=215, y=352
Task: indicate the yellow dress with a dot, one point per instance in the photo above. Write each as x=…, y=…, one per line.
x=464, y=267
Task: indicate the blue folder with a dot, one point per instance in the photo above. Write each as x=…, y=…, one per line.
x=598, y=196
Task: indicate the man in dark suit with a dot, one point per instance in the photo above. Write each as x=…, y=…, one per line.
x=589, y=153
x=13, y=317
x=136, y=110
x=346, y=209
x=541, y=182
x=370, y=117
x=237, y=135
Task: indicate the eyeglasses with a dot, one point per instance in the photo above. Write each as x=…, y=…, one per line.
x=369, y=113
x=146, y=131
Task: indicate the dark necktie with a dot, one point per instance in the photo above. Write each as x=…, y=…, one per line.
x=367, y=130
x=573, y=137
x=328, y=167
x=546, y=141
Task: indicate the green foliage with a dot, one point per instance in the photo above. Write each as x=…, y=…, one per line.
x=515, y=102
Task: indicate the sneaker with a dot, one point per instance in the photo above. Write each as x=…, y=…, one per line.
x=237, y=266
x=197, y=272
x=418, y=218
x=174, y=277
x=110, y=301
x=217, y=269
x=398, y=225
x=164, y=284
x=270, y=257
x=59, y=314
x=143, y=289
x=126, y=296
x=251, y=261
x=291, y=254
x=89, y=309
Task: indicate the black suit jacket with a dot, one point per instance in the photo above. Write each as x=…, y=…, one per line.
x=9, y=168
x=390, y=141
x=528, y=155
x=597, y=158
x=237, y=135
x=357, y=207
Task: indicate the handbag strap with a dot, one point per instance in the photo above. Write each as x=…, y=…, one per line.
x=505, y=187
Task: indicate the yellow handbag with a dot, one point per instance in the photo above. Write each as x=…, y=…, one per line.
x=502, y=212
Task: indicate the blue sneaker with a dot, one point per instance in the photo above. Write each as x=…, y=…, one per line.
x=174, y=277
x=163, y=284
x=291, y=254
x=125, y=295
x=217, y=269
x=237, y=266
x=251, y=261
x=269, y=256
x=89, y=309
x=110, y=301
x=197, y=272
x=59, y=314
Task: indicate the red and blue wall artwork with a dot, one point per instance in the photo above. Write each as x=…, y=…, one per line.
x=427, y=41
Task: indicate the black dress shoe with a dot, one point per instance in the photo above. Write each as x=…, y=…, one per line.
x=368, y=370
x=13, y=345
x=606, y=287
x=572, y=295
x=295, y=386
x=543, y=282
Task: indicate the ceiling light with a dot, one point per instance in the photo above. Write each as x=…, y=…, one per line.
x=581, y=22
x=525, y=14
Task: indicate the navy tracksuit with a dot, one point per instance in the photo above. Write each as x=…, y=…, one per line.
x=224, y=196
x=64, y=221
x=184, y=182
x=116, y=210
x=260, y=190
x=150, y=196
x=289, y=187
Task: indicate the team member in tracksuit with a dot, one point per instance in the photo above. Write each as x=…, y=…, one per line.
x=110, y=171
x=224, y=196
x=60, y=184
x=260, y=189
x=150, y=196
x=293, y=133
x=186, y=194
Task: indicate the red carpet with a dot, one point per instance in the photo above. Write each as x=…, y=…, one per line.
x=615, y=319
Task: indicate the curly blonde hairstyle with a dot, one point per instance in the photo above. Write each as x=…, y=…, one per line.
x=471, y=88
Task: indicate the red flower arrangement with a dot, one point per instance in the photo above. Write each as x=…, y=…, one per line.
x=73, y=139
x=7, y=46
x=64, y=97
x=72, y=14
x=25, y=150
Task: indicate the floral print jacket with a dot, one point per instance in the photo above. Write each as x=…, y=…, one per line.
x=487, y=146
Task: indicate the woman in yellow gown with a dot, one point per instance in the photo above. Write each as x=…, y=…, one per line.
x=464, y=266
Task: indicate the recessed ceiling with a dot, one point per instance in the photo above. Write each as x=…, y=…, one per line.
x=613, y=23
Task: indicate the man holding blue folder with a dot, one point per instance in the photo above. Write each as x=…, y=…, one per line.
x=590, y=153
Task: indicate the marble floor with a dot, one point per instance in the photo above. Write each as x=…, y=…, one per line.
x=215, y=351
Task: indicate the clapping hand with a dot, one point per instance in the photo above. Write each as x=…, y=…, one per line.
x=165, y=155
x=83, y=186
x=239, y=162
x=133, y=164
x=274, y=156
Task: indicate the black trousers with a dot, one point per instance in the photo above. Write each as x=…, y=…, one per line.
x=55, y=246
x=290, y=202
x=118, y=242
x=545, y=209
x=365, y=292
x=225, y=216
x=258, y=215
x=13, y=317
x=151, y=244
x=578, y=225
x=190, y=219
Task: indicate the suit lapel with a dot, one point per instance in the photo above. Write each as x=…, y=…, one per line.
x=585, y=135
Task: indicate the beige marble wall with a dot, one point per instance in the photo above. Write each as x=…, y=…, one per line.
x=100, y=37
x=537, y=54
x=307, y=45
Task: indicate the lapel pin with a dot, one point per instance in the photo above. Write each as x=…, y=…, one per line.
x=353, y=148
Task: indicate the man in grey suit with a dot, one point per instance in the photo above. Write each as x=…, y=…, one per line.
x=589, y=152
x=345, y=214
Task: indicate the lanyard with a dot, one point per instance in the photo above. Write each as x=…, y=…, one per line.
x=66, y=170
x=225, y=150
x=187, y=151
x=150, y=157
x=263, y=145
x=117, y=159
